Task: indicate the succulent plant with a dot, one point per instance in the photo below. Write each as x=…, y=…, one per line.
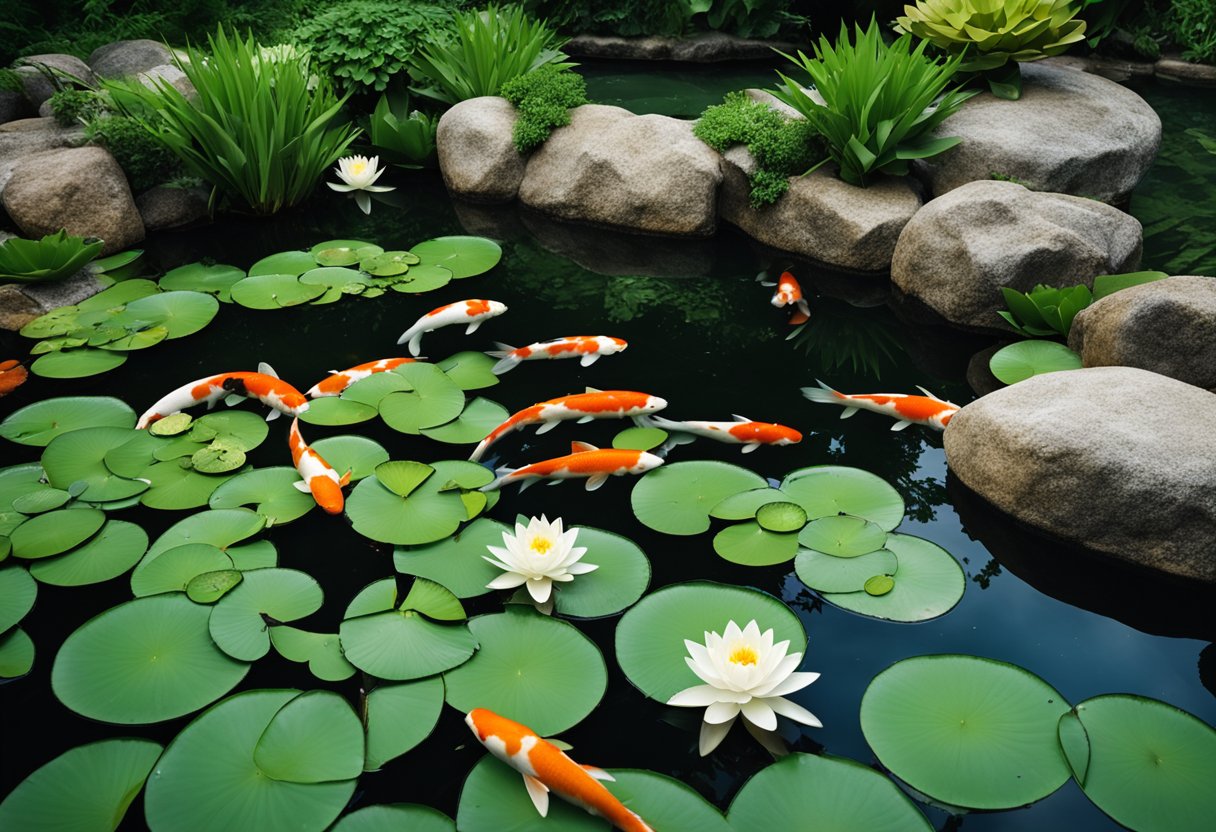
x=54, y=257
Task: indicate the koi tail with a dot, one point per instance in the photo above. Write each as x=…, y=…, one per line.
x=502, y=479
x=507, y=358
x=826, y=395
x=480, y=450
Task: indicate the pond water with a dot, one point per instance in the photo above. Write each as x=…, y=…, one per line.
x=702, y=335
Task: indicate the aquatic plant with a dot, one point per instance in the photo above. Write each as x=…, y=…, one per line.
x=51, y=258
x=879, y=102
x=359, y=175
x=404, y=137
x=537, y=555
x=1044, y=310
x=1019, y=361
x=542, y=100
x=491, y=47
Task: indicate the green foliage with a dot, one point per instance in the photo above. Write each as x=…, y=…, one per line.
x=1045, y=310
x=145, y=159
x=543, y=99
x=54, y=257
x=746, y=18
x=1191, y=24
x=670, y=18
x=72, y=107
x=365, y=43
x=781, y=147
x=403, y=138
x=880, y=102
x=491, y=47
x=10, y=81
x=260, y=132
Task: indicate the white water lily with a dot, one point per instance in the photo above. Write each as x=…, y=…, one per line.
x=359, y=174
x=537, y=555
x=744, y=673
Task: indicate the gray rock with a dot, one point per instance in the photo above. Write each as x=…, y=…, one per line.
x=708, y=47
x=610, y=167
x=27, y=136
x=166, y=207
x=16, y=308
x=1113, y=69
x=960, y=249
x=37, y=87
x=21, y=303
x=1077, y=455
x=979, y=373
x=1168, y=327
x=1071, y=132
x=170, y=73
x=45, y=110
x=822, y=217
x=81, y=189
x=1185, y=72
x=14, y=105
x=775, y=103
x=128, y=58
x=477, y=157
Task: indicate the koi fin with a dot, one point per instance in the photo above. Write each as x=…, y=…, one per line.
x=823, y=394
x=595, y=481
x=302, y=487
x=900, y=425
x=507, y=360
x=589, y=359
x=550, y=483
x=739, y=418
x=266, y=370
x=750, y=446
x=593, y=390
x=582, y=447
x=930, y=395
x=848, y=411
x=471, y=328
x=333, y=372
x=415, y=345
x=585, y=420
x=272, y=415
x=598, y=773
x=560, y=745
x=768, y=282
x=232, y=399
x=526, y=483
x=546, y=427
x=345, y=481
x=501, y=350
x=539, y=793
x=804, y=308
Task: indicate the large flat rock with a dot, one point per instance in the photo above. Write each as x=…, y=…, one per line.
x=477, y=156
x=27, y=136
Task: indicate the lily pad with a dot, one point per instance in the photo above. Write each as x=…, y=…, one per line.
x=394, y=818
x=17, y=594
x=650, y=636
x=144, y=661
x=478, y=418
x=928, y=583
x=470, y=370
x=55, y=532
x=111, y=552
x=79, y=456
x=388, y=263
x=274, y=291
x=837, y=793
x=781, y=517
x=400, y=716
x=843, y=536
x=879, y=585
x=343, y=252
x=271, y=492
x=240, y=427
x=333, y=277
x=677, y=498
x=620, y=580
x=181, y=313
x=322, y=651
x=827, y=573
x=237, y=623
x=431, y=512
x=1021, y=360
x=402, y=477
x=750, y=544
x=38, y=423
x=207, y=780
x=86, y=788
x=77, y=363
x=314, y=738
x=16, y=654
x=356, y=454
x=175, y=487
x=967, y=731
x=463, y=256
x=216, y=279
x=209, y=587
x=44, y=499
x=828, y=490
x=425, y=278
x=1074, y=742
x=119, y=294
x=434, y=400
x=18, y=481
x=220, y=457
x=220, y=527
x=371, y=390
x=293, y=263
x=138, y=340
x=457, y=562
x=639, y=439
x=332, y=410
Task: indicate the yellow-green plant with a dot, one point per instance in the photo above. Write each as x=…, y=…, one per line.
x=993, y=35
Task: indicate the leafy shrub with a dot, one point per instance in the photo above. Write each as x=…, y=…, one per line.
x=491, y=47
x=781, y=147
x=260, y=132
x=746, y=18
x=54, y=257
x=1045, y=310
x=403, y=138
x=1192, y=25
x=76, y=106
x=146, y=160
x=543, y=99
x=365, y=43
x=879, y=102
x=670, y=18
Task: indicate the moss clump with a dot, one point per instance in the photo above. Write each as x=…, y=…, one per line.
x=146, y=161
x=781, y=147
x=72, y=107
x=543, y=99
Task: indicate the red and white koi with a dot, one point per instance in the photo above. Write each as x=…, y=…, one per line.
x=339, y=381
x=319, y=477
x=927, y=410
x=470, y=312
x=583, y=461
x=264, y=385
x=587, y=348
x=593, y=404
x=790, y=292
x=546, y=768
x=742, y=431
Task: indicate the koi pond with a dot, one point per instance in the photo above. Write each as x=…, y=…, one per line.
x=682, y=550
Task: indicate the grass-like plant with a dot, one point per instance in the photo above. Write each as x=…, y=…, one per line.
x=879, y=102
x=491, y=47
x=261, y=132
x=543, y=99
x=54, y=257
x=403, y=138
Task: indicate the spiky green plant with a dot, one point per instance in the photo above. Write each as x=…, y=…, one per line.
x=54, y=257
x=402, y=137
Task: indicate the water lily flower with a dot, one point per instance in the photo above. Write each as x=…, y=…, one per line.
x=744, y=673
x=537, y=555
x=359, y=174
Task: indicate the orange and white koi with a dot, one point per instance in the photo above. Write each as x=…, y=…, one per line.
x=264, y=385
x=584, y=460
x=546, y=768
x=471, y=312
x=593, y=404
x=743, y=431
x=319, y=477
x=790, y=292
x=587, y=348
x=339, y=381
x=927, y=410
x=12, y=376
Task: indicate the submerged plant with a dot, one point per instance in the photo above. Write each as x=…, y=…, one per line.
x=54, y=257
x=404, y=138
x=537, y=555
x=880, y=103
x=359, y=174
x=1045, y=310
x=542, y=100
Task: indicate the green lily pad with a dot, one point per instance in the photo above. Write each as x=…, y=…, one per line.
x=111, y=552
x=434, y=400
x=86, y=788
x=16, y=654
x=400, y=716
x=424, y=278
x=650, y=636
x=837, y=793
x=171, y=425
x=144, y=661
x=434, y=601
x=207, y=780
x=237, y=624
x=388, y=263
x=260, y=554
x=470, y=370
x=639, y=439
x=274, y=291
x=294, y=263
x=220, y=527
x=456, y=561
x=77, y=363
x=478, y=418
x=333, y=277
x=56, y=323
x=431, y=512
x=463, y=256
x=781, y=517
x=332, y=411
x=17, y=594
x=219, y=457
x=992, y=724
x=828, y=490
x=139, y=340
x=843, y=536
x=620, y=580
x=181, y=313
x=1021, y=360
x=17, y=481
x=55, y=532
x=216, y=279
x=79, y=456
x=371, y=390
x=394, y=818
x=343, y=252
x=750, y=544
x=173, y=569
x=38, y=423
x=44, y=499
x=271, y=492
x=356, y=454
x=322, y=651
x=827, y=573
x=314, y=738
x=1151, y=765
x=210, y=587
x=677, y=498
x=928, y=583
x=1074, y=742
x=175, y=487
x=879, y=585
x=119, y=294
x=402, y=477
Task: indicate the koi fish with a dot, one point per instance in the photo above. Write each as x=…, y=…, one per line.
x=264, y=385
x=927, y=410
x=546, y=768
x=594, y=404
x=583, y=461
x=471, y=312
x=12, y=376
x=319, y=477
x=339, y=381
x=790, y=292
x=742, y=431
x=586, y=347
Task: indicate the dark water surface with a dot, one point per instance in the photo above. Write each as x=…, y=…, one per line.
x=702, y=335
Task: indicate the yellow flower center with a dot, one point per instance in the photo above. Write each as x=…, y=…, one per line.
x=743, y=654
x=358, y=168
x=541, y=545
